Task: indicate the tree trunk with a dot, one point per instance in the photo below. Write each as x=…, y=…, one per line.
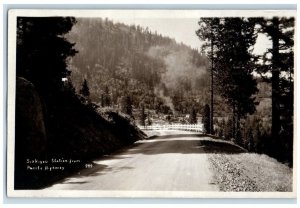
x=238, y=136
x=212, y=90
x=275, y=81
x=233, y=121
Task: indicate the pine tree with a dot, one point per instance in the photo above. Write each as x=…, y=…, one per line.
x=221, y=128
x=142, y=115
x=193, y=116
x=250, y=140
x=234, y=66
x=209, y=32
x=148, y=121
x=102, y=100
x=126, y=105
x=206, y=119
x=239, y=138
x=106, y=97
x=229, y=129
x=230, y=40
x=85, y=89
x=281, y=32
x=258, y=141
x=41, y=58
x=42, y=51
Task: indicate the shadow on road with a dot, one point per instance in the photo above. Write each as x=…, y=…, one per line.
x=82, y=177
x=193, y=144
x=220, y=147
x=176, y=136
x=180, y=144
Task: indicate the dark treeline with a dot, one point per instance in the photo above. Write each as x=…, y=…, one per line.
x=229, y=43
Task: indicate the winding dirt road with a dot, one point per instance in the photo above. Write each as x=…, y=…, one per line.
x=173, y=161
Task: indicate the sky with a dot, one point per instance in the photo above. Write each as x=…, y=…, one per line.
x=181, y=29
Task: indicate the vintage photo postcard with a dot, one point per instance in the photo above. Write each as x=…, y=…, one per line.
x=151, y=103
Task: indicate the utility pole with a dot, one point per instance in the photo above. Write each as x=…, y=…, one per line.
x=212, y=88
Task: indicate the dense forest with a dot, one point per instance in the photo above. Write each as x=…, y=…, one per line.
x=120, y=61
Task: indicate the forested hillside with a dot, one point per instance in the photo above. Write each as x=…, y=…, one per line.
x=132, y=64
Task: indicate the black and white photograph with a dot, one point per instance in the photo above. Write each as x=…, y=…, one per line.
x=151, y=103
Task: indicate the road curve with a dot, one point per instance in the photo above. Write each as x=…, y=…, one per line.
x=166, y=163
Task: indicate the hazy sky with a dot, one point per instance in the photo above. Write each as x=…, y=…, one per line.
x=183, y=30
